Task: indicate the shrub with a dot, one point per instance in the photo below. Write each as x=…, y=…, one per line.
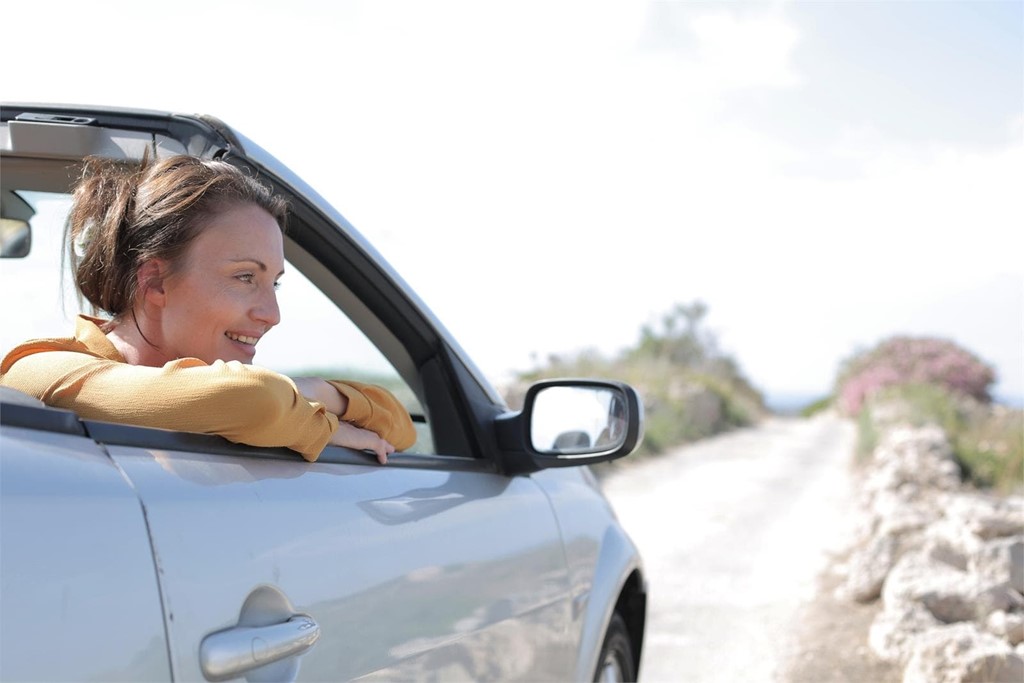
x=911, y=360
x=990, y=448
x=925, y=380
x=691, y=390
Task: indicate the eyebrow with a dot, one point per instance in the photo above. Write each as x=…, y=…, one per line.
x=261, y=264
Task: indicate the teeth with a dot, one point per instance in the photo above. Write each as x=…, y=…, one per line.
x=242, y=338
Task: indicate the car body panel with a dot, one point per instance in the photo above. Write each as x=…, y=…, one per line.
x=78, y=586
x=600, y=557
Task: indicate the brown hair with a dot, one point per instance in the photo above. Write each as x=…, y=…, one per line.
x=125, y=214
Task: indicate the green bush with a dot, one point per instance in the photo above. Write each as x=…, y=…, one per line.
x=990, y=448
x=690, y=389
x=926, y=380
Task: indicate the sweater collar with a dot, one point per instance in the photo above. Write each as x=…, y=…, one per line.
x=89, y=333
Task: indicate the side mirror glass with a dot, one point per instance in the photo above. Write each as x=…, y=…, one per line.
x=578, y=420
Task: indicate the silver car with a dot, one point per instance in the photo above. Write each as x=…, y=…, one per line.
x=485, y=552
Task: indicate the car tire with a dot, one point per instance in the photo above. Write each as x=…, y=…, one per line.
x=616, y=661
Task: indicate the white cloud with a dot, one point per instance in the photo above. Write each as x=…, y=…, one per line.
x=746, y=50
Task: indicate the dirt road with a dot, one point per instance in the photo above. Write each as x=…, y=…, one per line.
x=733, y=531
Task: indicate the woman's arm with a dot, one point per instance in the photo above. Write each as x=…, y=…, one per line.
x=370, y=417
x=243, y=403
x=316, y=389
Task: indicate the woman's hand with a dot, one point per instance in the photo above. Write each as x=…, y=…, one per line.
x=347, y=435
x=357, y=438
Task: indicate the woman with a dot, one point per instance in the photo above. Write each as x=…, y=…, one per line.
x=184, y=255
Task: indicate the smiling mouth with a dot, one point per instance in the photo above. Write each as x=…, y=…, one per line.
x=251, y=341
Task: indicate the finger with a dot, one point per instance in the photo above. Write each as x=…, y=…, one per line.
x=381, y=448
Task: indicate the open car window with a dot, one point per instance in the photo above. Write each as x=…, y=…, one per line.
x=315, y=337
x=38, y=293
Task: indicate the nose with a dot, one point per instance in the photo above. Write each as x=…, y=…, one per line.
x=266, y=310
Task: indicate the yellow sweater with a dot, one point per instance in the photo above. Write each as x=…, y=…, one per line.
x=243, y=403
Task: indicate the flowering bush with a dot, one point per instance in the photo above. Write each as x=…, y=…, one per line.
x=912, y=360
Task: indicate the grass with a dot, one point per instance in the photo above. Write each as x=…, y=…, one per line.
x=867, y=435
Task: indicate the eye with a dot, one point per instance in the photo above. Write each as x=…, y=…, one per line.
x=277, y=285
x=247, y=278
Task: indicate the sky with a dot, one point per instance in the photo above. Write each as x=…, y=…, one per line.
x=552, y=176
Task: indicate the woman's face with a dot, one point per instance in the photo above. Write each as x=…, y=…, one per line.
x=222, y=298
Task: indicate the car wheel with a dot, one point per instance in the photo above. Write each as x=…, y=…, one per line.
x=615, y=664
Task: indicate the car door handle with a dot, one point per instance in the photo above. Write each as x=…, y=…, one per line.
x=235, y=651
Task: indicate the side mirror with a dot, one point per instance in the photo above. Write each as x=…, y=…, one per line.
x=570, y=422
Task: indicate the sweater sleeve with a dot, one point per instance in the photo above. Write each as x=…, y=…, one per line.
x=243, y=403
x=375, y=408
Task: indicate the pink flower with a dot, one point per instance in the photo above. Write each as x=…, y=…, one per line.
x=911, y=360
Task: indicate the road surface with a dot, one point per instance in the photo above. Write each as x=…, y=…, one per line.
x=733, y=531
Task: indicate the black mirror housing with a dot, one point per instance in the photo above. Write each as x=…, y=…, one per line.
x=571, y=422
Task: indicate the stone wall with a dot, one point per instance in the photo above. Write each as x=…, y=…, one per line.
x=946, y=562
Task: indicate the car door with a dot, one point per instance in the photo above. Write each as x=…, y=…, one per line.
x=78, y=586
x=407, y=571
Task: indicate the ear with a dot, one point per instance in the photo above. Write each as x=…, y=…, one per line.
x=150, y=278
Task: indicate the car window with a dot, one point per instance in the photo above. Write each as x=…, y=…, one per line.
x=314, y=338
x=39, y=300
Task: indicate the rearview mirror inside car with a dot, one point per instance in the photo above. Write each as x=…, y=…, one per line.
x=15, y=231
x=15, y=238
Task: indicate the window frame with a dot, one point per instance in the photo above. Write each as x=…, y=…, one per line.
x=356, y=281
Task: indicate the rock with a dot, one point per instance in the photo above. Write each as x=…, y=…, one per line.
x=920, y=456
x=1017, y=564
x=949, y=594
x=1008, y=626
x=914, y=576
x=995, y=668
x=955, y=535
x=988, y=517
x=960, y=653
x=906, y=519
x=893, y=631
x=1002, y=561
x=948, y=565
x=867, y=568
x=941, y=549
